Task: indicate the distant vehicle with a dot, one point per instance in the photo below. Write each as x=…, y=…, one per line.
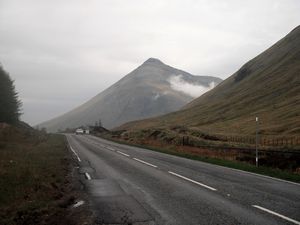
x=87, y=131
x=79, y=131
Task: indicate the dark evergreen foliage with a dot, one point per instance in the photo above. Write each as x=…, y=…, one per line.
x=10, y=105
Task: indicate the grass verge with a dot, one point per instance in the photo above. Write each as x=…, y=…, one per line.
x=272, y=172
x=35, y=182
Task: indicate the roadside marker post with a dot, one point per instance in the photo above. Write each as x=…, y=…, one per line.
x=256, y=146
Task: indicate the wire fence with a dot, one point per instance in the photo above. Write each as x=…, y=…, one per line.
x=275, y=141
x=264, y=140
x=282, y=157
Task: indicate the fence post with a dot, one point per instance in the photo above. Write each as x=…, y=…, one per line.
x=256, y=146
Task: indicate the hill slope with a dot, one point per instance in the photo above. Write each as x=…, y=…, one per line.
x=267, y=86
x=150, y=90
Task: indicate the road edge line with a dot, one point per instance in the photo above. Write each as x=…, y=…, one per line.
x=75, y=153
x=276, y=214
x=87, y=176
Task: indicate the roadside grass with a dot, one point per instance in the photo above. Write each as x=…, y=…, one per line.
x=33, y=180
x=272, y=172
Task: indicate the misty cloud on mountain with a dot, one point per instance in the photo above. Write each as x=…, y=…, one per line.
x=145, y=92
x=194, y=90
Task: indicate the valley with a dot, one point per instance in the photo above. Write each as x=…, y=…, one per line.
x=150, y=112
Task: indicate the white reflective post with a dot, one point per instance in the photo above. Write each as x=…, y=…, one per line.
x=256, y=146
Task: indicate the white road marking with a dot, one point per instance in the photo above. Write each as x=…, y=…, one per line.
x=123, y=153
x=77, y=204
x=257, y=174
x=109, y=148
x=87, y=176
x=141, y=161
x=238, y=170
x=193, y=181
x=79, y=160
x=277, y=214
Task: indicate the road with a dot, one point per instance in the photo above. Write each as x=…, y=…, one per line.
x=130, y=185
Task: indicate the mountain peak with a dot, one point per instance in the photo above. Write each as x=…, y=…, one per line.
x=153, y=61
x=144, y=92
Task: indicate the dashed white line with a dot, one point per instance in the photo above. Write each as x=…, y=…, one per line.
x=198, y=183
x=141, y=161
x=193, y=181
x=79, y=160
x=277, y=214
x=87, y=176
x=111, y=149
x=123, y=153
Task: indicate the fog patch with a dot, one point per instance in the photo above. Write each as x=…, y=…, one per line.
x=194, y=90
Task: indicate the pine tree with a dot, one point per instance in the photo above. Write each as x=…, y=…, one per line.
x=10, y=105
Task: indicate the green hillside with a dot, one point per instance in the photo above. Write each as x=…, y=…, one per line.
x=268, y=86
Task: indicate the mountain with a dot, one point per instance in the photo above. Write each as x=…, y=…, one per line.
x=152, y=89
x=268, y=86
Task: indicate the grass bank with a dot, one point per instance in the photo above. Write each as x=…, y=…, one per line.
x=35, y=180
x=173, y=150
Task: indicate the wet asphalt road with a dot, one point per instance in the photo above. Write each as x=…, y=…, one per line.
x=130, y=185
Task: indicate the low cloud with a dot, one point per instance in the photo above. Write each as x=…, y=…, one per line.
x=50, y=46
x=156, y=96
x=179, y=84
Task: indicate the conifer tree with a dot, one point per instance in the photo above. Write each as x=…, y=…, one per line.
x=10, y=105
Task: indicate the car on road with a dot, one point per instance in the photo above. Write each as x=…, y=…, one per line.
x=79, y=131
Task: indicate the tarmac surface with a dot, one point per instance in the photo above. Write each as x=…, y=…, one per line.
x=130, y=185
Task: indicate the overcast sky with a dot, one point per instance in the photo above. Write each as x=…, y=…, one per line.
x=63, y=52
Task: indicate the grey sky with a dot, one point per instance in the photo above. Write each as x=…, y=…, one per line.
x=63, y=52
